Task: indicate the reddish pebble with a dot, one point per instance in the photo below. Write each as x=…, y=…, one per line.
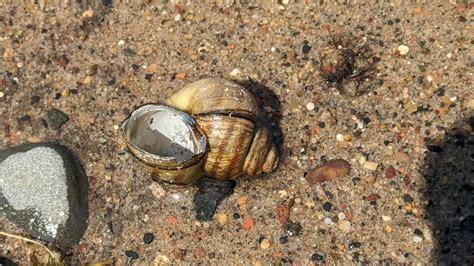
x=390, y=172
x=62, y=60
x=282, y=213
x=373, y=197
x=328, y=171
x=248, y=224
x=172, y=219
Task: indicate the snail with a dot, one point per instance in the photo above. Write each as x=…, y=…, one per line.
x=209, y=127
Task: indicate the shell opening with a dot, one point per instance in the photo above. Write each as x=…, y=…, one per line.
x=164, y=132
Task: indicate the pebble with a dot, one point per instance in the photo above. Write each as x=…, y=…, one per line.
x=371, y=179
x=341, y=216
x=340, y=137
x=388, y=229
x=369, y=165
x=344, y=226
x=390, y=172
x=417, y=239
x=386, y=218
x=131, y=254
x=327, y=221
x=121, y=42
x=148, y=238
x=292, y=228
x=265, y=243
x=181, y=75
x=328, y=171
x=178, y=17
x=56, y=118
x=235, y=72
x=282, y=213
x=222, y=218
x=310, y=106
x=248, y=224
x=403, y=49
x=327, y=206
x=317, y=257
x=283, y=239
x=157, y=190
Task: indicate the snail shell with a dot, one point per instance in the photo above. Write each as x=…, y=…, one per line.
x=227, y=115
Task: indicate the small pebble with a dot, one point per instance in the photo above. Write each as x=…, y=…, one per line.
x=178, y=17
x=369, y=165
x=317, y=257
x=327, y=221
x=388, y=229
x=340, y=137
x=121, y=42
x=327, y=206
x=344, y=226
x=417, y=239
x=222, y=218
x=265, y=243
x=284, y=239
x=354, y=245
x=403, y=49
x=292, y=228
x=310, y=106
x=148, y=238
x=407, y=198
x=386, y=218
x=341, y=216
x=235, y=72
x=131, y=254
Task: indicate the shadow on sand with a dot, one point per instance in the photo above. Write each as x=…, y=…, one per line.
x=449, y=174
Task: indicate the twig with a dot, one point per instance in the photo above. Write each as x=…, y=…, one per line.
x=51, y=254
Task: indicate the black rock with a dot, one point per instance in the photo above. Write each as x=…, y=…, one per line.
x=283, y=239
x=306, y=48
x=407, y=198
x=327, y=206
x=292, y=228
x=131, y=254
x=210, y=193
x=317, y=257
x=56, y=118
x=53, y=206
x=435, y=148
x=148, y=238
x=354, y=245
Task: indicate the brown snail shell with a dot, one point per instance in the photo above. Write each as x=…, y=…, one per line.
x=227, y=115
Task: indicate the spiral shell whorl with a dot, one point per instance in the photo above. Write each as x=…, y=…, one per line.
x=227, y=113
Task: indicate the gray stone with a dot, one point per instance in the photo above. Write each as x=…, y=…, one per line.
x=43, y=189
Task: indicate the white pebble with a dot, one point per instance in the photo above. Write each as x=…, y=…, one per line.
x=386, y=218
x=327, y=221
x=429, y=78
x=341, y=216
x=178, y=17
x=121, y=42
x=344, y=226
x=310, y=106
x=449, y=55
x=235, y=72
x=339, y=137
x=417, y=239
x=273, y=49
x=116, y=127
x=369, y=165
x=2, y=94
x=403, y=49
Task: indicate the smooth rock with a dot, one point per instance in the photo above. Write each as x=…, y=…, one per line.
x=210, y=193
x=56, y=118
x=328, y=171
x=43, y=189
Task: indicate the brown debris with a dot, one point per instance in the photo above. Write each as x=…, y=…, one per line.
x=328, y=171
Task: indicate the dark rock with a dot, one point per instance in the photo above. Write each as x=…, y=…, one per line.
x=327, y=206
x=210, y=193
x=131, y=254
x=418, y=232
x=283, y=239
x=306, y=47
x=317, y=257
x=129, y=52
x=292, y=228
x=236, y=215
x=43, y=189
x=56, y=118
x=354, y=245
x=148, y=238
x=407, y=198
x=35, y=99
